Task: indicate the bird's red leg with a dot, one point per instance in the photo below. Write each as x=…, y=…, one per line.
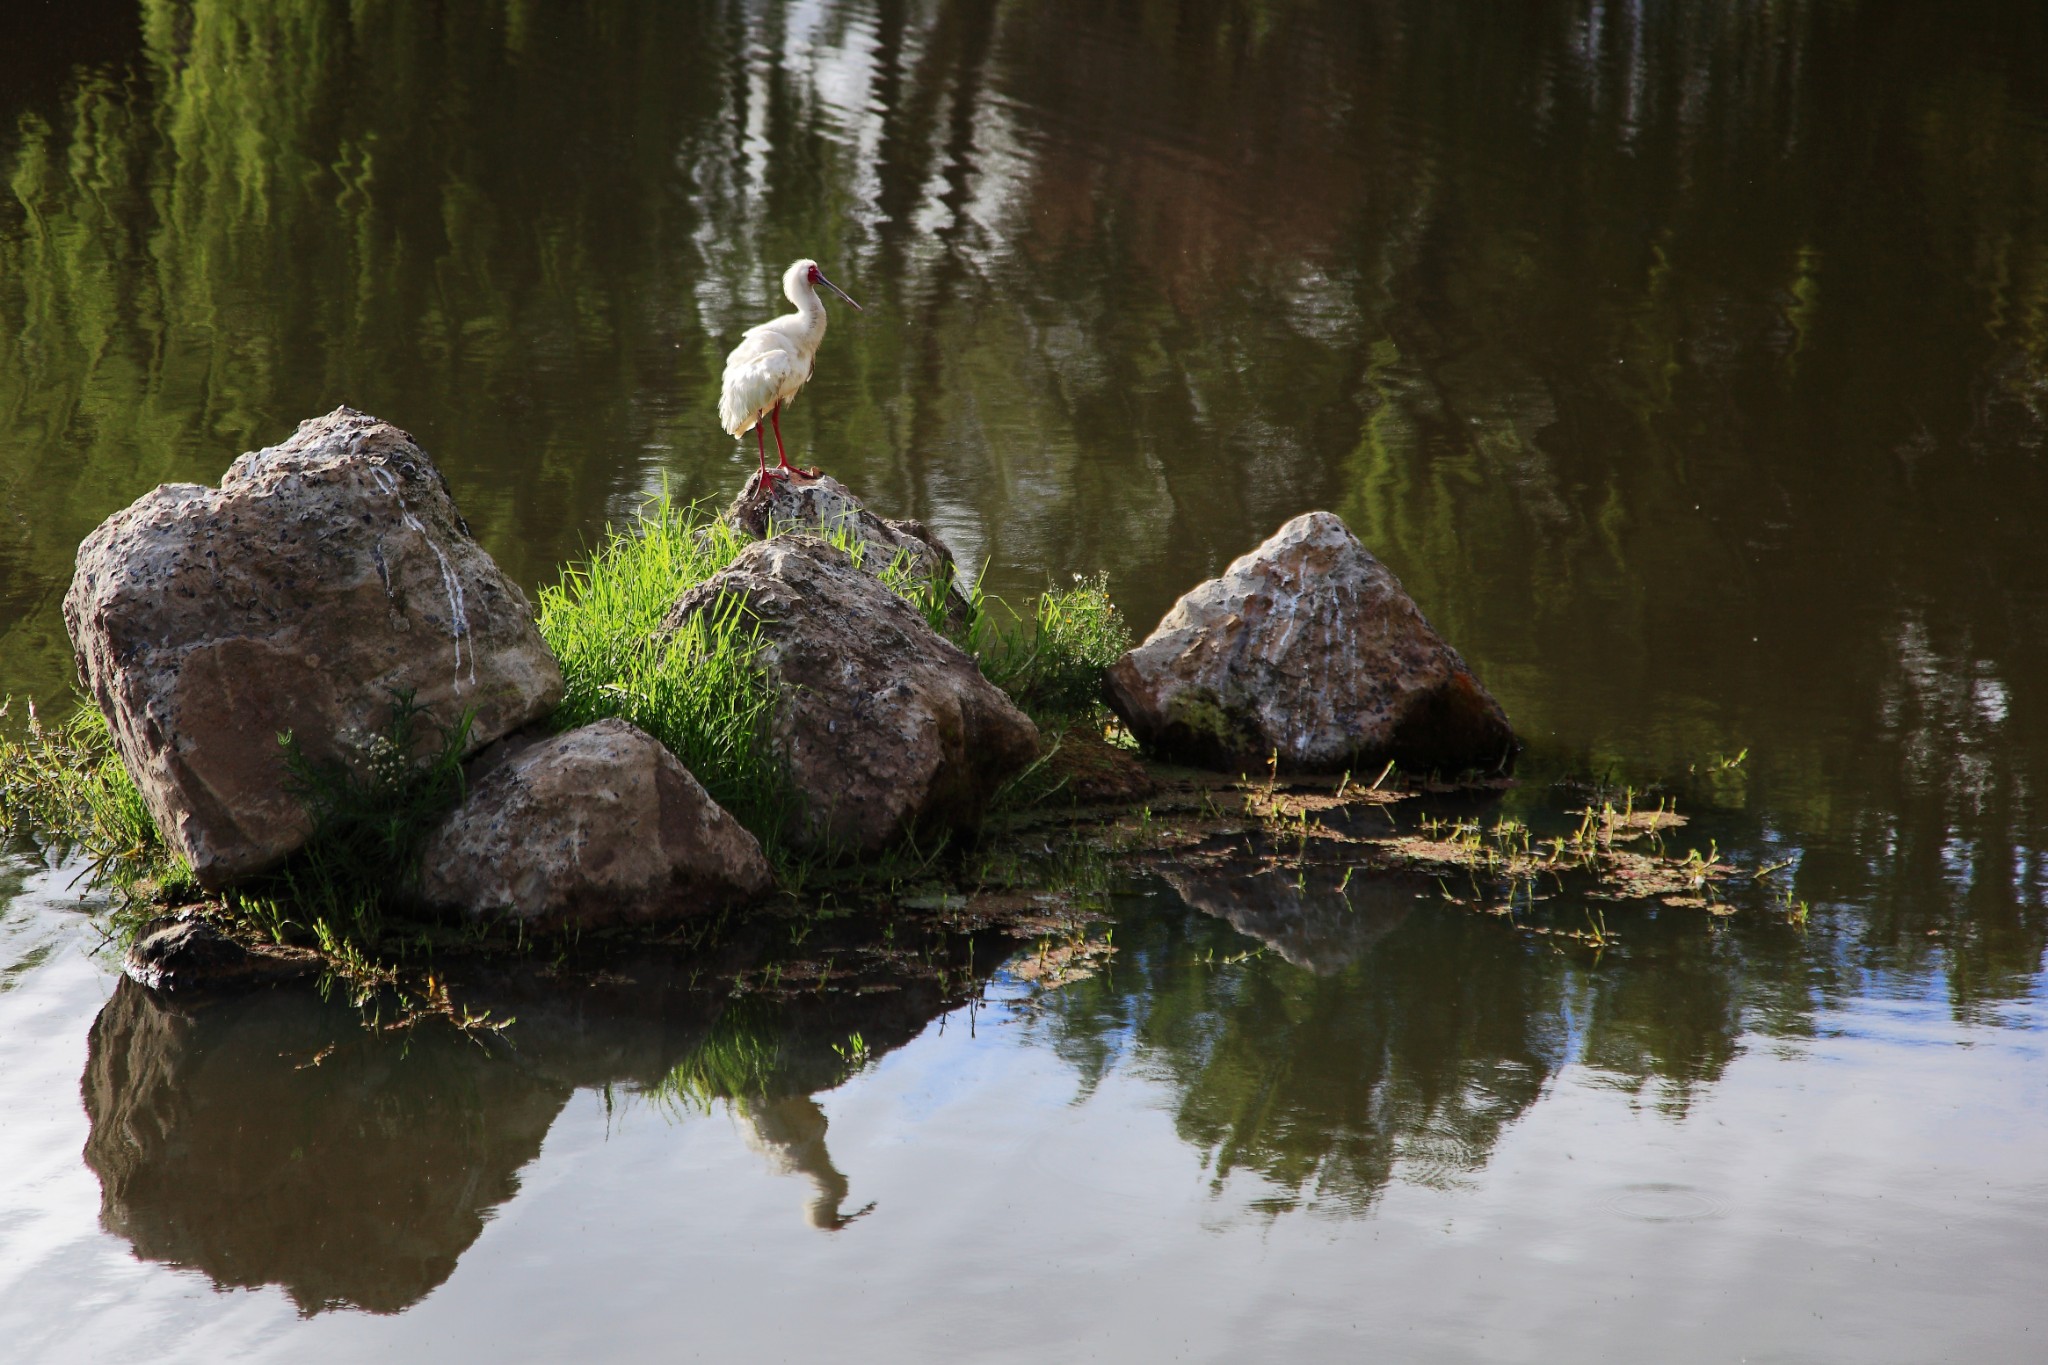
x=761, y=440
x=775, y=416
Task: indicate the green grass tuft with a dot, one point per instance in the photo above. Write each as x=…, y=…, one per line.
x=1053, y=664
x=372, y=814
x=66, y=782
x=700, y=690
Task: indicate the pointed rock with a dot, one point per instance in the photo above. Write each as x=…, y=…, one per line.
x=823, y=505
x=1308, y=648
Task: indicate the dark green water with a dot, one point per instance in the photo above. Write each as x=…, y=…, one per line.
x=1688, y=361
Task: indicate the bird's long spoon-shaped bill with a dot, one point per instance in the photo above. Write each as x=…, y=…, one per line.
x=837, y=290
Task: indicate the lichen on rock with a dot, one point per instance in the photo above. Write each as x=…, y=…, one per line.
x=598, y=826
x=324, y=577
x=884, y=727
x=1308, y=652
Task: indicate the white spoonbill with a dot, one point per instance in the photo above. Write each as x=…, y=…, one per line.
x=773, y=361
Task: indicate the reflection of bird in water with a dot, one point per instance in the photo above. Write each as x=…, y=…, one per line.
x=790, y=1131
x=773, y=361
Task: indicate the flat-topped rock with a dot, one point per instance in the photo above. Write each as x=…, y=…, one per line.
x=886, y=727
x=324, y=577
x=1307, y=648
x=184, y=955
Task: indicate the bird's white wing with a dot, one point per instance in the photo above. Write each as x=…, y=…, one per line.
x=762, y=370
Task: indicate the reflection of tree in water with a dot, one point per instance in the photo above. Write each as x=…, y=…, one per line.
x=268, y=1138
x=1387, y=1036
x=1412, y=1056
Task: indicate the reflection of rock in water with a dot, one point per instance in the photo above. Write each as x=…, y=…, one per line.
x=790, y=1132
x=1313, y=925
x=268, y=1138
x=221, y=1145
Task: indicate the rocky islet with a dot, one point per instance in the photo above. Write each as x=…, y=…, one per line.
x=333, y=572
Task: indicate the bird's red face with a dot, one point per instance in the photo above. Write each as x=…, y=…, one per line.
x=817, y=277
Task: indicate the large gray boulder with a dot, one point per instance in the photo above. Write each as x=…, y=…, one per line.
x=825, y=507
x=1307, y=647
x=601, y=825
x=324, y=576
x=885, y=726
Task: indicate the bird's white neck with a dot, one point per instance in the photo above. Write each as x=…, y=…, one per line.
x=810, y=308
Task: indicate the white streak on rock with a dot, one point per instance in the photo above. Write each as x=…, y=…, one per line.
x=451, y=582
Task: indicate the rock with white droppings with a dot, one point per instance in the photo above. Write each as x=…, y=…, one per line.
x=598, y=826
x=323, y=577
x=885, y=727
x=1308, y=648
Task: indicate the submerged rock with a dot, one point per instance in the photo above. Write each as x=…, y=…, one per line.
x=1088, y=770
x=324, y=576
x=182, y=954
x=884, y=725
x=824, y=505
x=1307, y=647
x=601, y=825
